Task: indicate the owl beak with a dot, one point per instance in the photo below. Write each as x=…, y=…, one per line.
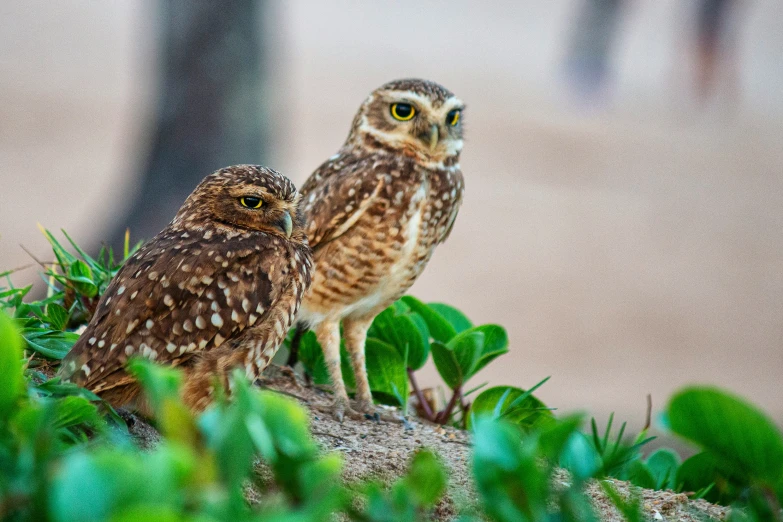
x=434, y=137
x=285, y=224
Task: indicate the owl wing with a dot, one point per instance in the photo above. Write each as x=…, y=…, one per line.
x=175, y=298
x=338, y=193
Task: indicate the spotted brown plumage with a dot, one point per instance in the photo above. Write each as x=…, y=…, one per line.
x=375, y=212
x=217, y=289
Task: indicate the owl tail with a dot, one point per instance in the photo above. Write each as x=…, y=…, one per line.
x=296, y=340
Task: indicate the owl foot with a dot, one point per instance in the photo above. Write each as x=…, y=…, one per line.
x=376, y=414
x=339, y=409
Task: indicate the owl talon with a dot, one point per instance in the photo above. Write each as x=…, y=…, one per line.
x=374, y=414
x=341, y=411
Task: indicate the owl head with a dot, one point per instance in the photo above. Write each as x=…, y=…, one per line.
x=418, y=118
x=244, y=198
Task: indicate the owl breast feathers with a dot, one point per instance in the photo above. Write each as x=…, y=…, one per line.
x=215, y=290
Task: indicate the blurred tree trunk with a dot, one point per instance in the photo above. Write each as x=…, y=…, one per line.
x=209, y=106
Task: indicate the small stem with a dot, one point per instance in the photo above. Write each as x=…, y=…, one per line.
x=443, y=417
x=465, y=406
x=648, y=417
x=420, y=396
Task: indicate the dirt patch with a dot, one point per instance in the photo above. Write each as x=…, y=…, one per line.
x=382, y=451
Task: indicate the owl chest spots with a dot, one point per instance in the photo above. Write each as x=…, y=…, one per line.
x=405, y=260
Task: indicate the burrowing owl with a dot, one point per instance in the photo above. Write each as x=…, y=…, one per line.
x=217, y=289
x=375, y=212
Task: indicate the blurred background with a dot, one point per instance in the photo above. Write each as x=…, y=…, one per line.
x=624, y=160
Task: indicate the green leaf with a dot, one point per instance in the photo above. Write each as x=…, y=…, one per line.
x=426, y=479
x=386, y=372
x=10, y=366
x=746, y=440
x=495, y=344
x=48, y=343
x=579, y=457
x=73, y=410
x=457, y=319
x=467, y=347
x=639, y=474
x=80, y=275
x=447, y=365
x=439, y=328
x=418, y=353
x=509, y=477
x=58, y=316
x=403, y=332
x=512, y=404
x=312, y=358
x=703, y=475
x=663, y=464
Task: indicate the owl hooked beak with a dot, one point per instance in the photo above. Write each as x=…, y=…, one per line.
x=434, y=137
x=285, y=224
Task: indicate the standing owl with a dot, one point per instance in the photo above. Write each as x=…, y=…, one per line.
x=217, y=289
x=375, y=212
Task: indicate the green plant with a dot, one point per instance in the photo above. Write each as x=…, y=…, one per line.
x=741, y=462
x=75, y=283
x=513, y=472
x=399, y=343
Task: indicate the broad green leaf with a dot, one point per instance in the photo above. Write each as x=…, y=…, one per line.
x=426, y=478
x=312, y=358
x=555, y=435
x=73, y=410
x=320, y=486
x=703, y=475
x=417, y=359
x=402, y=332
x=161, y=386
x=288, y=425
x=456, y=319
x=386, y=372
x=746, y=440
x=80, y=275
x=439, y=328
x=50, y=344
x=100, y=484
x=10, y=366
x=504, y=402
x=663, y=464
x=467, y=347
x=639, y=474
x=495, y=344
x=509, y=477
x=579, y=457
x=57, y=315
x=447, y=365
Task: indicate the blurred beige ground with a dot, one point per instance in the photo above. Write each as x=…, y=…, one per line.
x=628, y=250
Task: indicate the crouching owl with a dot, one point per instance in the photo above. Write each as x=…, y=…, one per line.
x=217, y=289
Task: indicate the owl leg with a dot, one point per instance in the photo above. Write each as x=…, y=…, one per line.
x=355, y=331
x=209, y=370
x=328, y=334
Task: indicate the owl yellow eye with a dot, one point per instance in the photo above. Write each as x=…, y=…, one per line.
x=251, y=202
x=452, y=118
x=402, y=111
